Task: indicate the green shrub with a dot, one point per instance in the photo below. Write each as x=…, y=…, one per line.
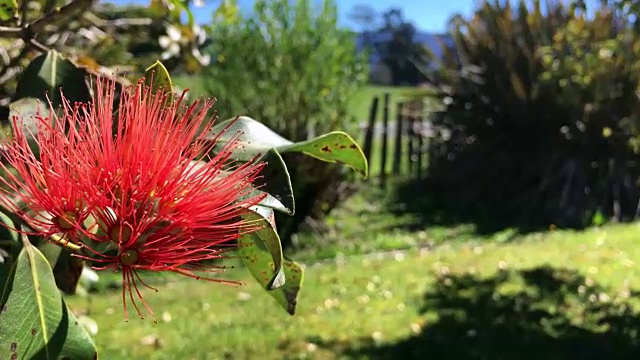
x=292, y=68
x=540, y=114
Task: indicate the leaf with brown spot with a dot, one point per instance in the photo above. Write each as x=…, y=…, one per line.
x=262, y=250
x=336, y=147
x=257, y=138
x=294, y=274
x=262, y=254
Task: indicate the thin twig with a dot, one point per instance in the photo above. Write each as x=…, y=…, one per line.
x=38, y=46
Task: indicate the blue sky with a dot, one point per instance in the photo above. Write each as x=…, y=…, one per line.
x=427, y=15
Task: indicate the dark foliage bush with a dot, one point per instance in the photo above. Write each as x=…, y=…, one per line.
x=539, y=118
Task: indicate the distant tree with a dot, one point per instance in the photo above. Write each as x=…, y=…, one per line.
x=399, y=50
x=367, y=21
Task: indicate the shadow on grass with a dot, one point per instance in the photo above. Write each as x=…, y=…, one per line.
x=542, y=313
x=431, y=206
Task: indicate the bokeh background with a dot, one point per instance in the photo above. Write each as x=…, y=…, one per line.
x=499, y=220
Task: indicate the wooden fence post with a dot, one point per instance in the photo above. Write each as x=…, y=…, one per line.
x=397, y=153
x=410, y=136
x=368, y=135
x=385, y=141
x=420, y=151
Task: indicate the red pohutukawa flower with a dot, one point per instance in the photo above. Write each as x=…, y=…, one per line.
x=138, y=175
x=42, y=187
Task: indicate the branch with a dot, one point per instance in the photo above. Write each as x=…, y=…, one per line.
x=28, y=30
x=38, y=46
x=60, y=14
x=122, y=23
x=23, y=12
x=10, y=32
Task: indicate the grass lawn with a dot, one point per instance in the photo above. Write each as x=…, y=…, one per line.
x=361, y=103
x=368, y=306
x=366, y=223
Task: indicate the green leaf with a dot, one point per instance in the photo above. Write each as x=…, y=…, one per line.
x=67, y=269
x=28, y=109
x=8, y=9
x=276, y=182
x=8, y=235
x=9, y=246
x=334, y=147
x=49, y=72
x=183, y=5
x=257, y=138
x=50, y=251
x=157, y=77
x=35, y=322
x=287, y=295
x=261, y=250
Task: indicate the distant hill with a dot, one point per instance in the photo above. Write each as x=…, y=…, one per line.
x=431, y=40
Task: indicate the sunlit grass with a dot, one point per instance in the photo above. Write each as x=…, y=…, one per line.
x=371, y=297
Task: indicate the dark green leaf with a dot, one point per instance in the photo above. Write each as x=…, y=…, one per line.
x=66, y=268
x=35, y=322
x=49, y=72
x=50, y=251
x=67, y=272
x=158, y=78
x=257, y=138
x=261, y=250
